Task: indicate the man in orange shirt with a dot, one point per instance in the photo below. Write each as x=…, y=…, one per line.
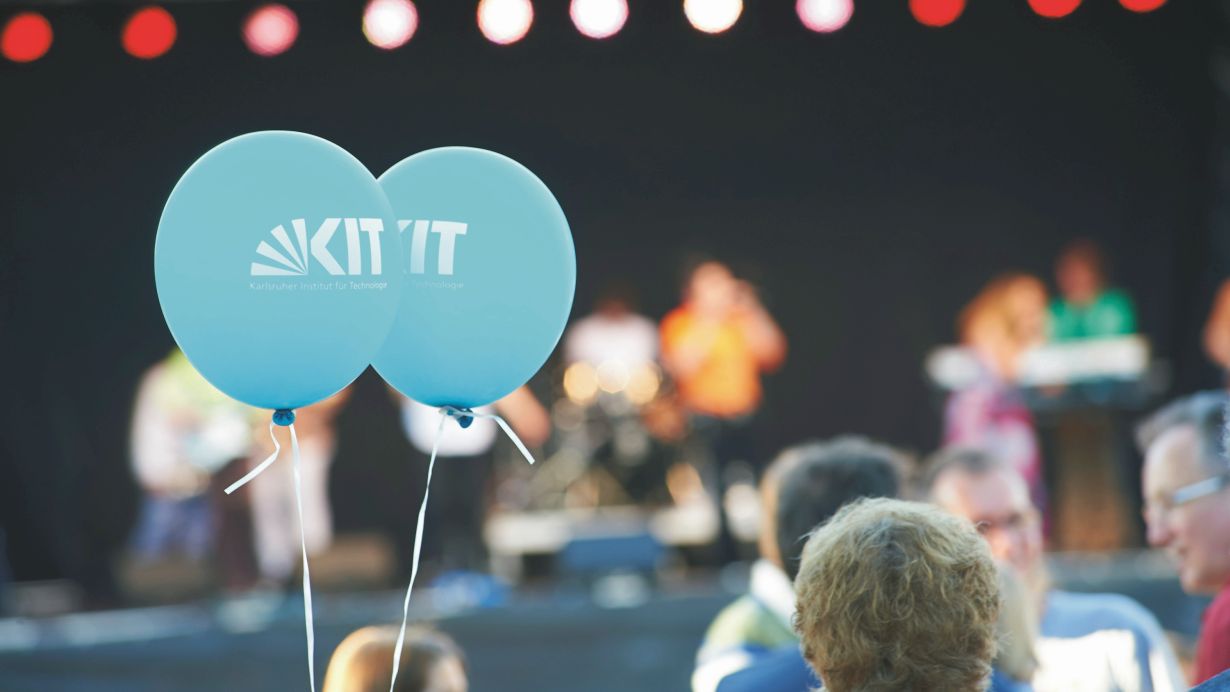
x=715, y=346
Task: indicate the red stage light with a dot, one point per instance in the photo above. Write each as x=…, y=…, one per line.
x=1142, y=5
x=26, y=37
x=1054, y=9
x=937, y=12
x=270, y=30
x=149, y=33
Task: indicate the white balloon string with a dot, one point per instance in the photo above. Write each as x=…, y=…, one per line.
x=418, y=547
x=259, y=467
x=307, y=578
x=466, y=413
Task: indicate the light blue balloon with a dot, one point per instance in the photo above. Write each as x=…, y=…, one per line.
x=490, y=274
x=276, y=263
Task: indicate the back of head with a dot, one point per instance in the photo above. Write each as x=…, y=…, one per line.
x=897, y=595
x=363, y=662
x=814, y=480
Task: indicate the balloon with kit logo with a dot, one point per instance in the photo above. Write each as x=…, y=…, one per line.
x=276, y=267
x=490, y=274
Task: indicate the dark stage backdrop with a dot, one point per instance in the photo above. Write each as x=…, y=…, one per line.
x=869, y=181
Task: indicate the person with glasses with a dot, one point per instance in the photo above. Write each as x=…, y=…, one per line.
x=1086, y=641
x=1187, y=509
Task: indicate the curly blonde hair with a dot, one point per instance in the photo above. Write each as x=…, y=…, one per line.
x=897, y=595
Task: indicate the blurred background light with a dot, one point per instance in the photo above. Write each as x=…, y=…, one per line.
x=824, y=16
x=712, y=16
x=26, y=37
x=389, y=24
x=149, y=33
x=270, y=30
x=1142, y=5
x=505, y=21
x=599, y=18
x=1054, y=9
x=936, y=12
x=580, y=383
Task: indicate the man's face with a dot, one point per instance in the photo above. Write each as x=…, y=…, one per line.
x=713, y=289
x=997, y=502
x=1196, y=534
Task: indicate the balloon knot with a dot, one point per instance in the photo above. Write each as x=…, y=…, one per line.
x=284, y=417
x=460, y=414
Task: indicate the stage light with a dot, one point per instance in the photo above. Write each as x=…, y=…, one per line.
x=270, y=30
x=388, y=24
x=713, y=16
x=26, y=37
x=936, y=12
x=1142, y=5
x=1054, y=9
x=580, y=383
x=643, y=385
x=599, y=18
x=824, y=16
x=505, y=21
x=149, y=33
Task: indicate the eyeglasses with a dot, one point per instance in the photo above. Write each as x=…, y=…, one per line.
x=1186, y=495
x=1013, y=522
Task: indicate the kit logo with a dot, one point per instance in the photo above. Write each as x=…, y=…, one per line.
x=448, y=231
x=294, y=257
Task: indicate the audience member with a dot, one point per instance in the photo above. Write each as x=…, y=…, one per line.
x=897, y=595
x=363, y=662
x=715, y=346
x=1187, y=510
x=1087, y=641
x=1086, y=307
x=802, y=488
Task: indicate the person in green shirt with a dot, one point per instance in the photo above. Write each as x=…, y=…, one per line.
x=1087, y=308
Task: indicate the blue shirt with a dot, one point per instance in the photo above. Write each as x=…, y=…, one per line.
x=1220, y=683
x=782, y=670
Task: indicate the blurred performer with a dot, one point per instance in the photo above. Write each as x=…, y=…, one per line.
x=715, y=346
x=460, y=486
x=613, y=333
x=1006, y=319
x=183, y=430
x=274, y=513
x=1087, y=308
x=1217, y=329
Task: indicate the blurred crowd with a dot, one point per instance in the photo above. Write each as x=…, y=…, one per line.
x=876, y=570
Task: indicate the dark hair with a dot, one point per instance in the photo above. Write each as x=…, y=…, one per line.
x=823, y=477
x=1087, y=252
x=969, y=460
x=1205, y=412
